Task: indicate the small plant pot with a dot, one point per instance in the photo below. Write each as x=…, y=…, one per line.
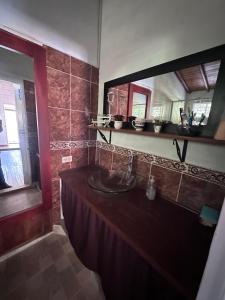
x=118, y=124
x=157, y=128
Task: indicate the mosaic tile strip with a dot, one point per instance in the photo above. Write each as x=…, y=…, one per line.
x=78, y=144
x=91, y=143
x=184, y=168
x=145, y=157
x=170, y=164
x=61, y=145
x=206, y=174
x=123, y=151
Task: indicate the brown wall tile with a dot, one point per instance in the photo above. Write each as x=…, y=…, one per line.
x=94, y=74
x=122, y=103
x=91, y=155
x=59, y=121
x=92, y=134
x=194, y=193
x=141, y=169
x=58, y=60
x=105, y=159
x=97, y=156
x=58, y=89
x=120, y=162
x=167, y=182
x=56, y=161
x=56, y=215
x=123, y=87
x=114, y=106
x=55, y=192
x=80, y=157
x=79, y=122
x=80, y=94
x=94, y=98
x=80, y=69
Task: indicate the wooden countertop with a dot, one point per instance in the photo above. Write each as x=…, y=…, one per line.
x=170, y=238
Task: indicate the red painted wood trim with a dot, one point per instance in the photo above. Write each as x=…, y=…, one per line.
x=38, y=53
x=133, y=88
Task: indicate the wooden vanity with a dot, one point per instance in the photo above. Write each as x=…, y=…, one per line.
x=141, y=249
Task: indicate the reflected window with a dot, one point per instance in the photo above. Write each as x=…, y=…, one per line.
x=139, y=105
x=157, y=112
x=139, y=101
x=202, y=108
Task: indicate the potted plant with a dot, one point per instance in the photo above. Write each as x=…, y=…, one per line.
x=118, y=121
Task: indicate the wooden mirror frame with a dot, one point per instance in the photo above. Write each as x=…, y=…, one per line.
x=206, y=56
x=38, y=53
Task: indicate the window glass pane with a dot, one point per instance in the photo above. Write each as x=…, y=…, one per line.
x=202, y=108
x=138, y=111
x=139, y=99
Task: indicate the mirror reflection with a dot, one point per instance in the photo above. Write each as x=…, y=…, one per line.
x=180, y=97
x=20, y=186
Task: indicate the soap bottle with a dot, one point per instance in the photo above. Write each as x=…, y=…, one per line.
x=151, y=188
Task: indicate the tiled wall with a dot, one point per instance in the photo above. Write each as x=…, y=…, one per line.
x=120, y=95
x=72, y=102
x=181, y=183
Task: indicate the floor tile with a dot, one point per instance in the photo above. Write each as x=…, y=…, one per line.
x=48, y=270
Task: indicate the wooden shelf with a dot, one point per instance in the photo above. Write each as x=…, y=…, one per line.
x=162, y=135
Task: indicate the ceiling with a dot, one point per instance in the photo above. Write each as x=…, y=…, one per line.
x=200, y=77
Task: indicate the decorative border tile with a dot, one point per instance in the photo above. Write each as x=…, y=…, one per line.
x=170, y=164
x=123, y=151
x=78, y=144
x=184, y=168
x=61, y=145
x=206, y=174
x=145, y=157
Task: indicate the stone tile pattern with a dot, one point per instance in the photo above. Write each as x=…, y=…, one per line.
x=48, y=269
x=120, y=100
x=184, y=184
x=72, y=102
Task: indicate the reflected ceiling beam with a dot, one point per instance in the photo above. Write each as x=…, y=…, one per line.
x=204, y=76
x=182, y=81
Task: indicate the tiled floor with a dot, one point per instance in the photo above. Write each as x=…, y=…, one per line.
x=16, y=201
x=47, y=269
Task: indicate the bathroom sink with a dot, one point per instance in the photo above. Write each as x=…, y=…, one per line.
x=111, y=181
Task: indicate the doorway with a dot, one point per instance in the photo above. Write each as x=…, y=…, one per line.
x=15, y=162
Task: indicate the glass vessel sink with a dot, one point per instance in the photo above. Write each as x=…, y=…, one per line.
x=111, y=181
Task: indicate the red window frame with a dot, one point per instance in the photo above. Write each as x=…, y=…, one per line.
x=141, y=90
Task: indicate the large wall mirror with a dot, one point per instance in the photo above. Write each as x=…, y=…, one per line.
x=24, y=153
x=186, y=92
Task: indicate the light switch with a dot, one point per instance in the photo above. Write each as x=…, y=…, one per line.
x=66, y=159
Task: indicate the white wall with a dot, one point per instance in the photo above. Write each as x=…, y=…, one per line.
x=70, y=26
x=140, y=34
x=14, y=64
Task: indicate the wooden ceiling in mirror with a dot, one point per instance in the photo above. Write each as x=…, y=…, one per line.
x=200, y=77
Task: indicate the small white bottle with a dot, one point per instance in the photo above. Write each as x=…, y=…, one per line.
x=151, y=188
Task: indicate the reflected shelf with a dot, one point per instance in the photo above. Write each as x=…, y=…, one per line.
x=161, y=135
